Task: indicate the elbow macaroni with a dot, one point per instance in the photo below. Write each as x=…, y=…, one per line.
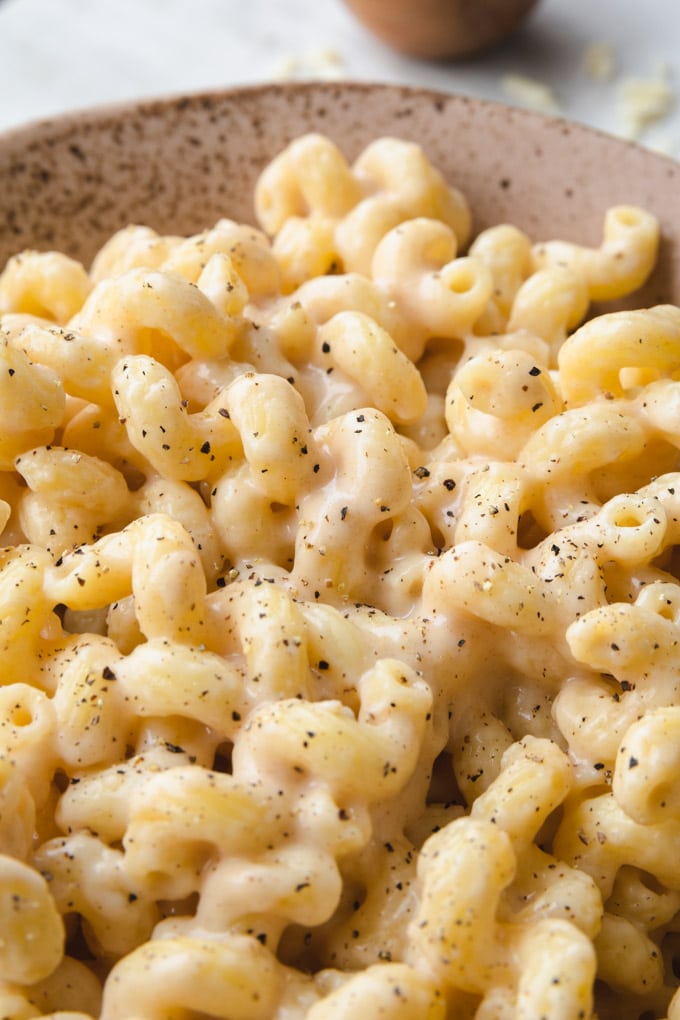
x=340, y=615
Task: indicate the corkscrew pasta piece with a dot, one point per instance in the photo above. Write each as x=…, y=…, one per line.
x=245, y=254
x=382, y=745
x=178, y=445
x=32, y=927
x=558, y=969
x=535, y=779
x=394, y=991
x=320, y=561
x=492, y=500
x=181, y=501
x=400, y=184
x=473, y=578
x=25, y=611
x=74, y=479
x=577, y=442
x=88, y=877
x=299, y=199
x=311, y=187
x=270, y=631
x=437, y=293
x=550, y=303
x=131, y=247
x=28, y=723
x=32, y=403
x=546, y=887
x=646, y=340
x=248, y=523
x=17, y=809
x=367, y=353
x=165, y=849
x=92, y=718
x=69, y=497
x=310, y=176
x=632, y=643
x=156, y=313
x=623, y=261
x=177, y=680
x=629, y=929
x=339, y=614
x=495, y=403
x=272, y=425
x=317, y=300
x=163, y=974
x=550, y=959
x=649, y=795
x=153, y=550
x=506, y=251
x=49, y=285
x=455, y=927
x=478, y=740
x=305, y=249
x=72, y=984
x=597, y=836
x=101, y=798
x=294, y=884
x=82, y=362
x=250, y=504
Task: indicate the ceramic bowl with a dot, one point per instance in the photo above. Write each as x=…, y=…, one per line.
x=180, y=163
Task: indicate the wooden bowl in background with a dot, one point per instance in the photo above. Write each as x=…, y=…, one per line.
x=439, y=29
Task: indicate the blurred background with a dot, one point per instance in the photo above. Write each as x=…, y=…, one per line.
x=613, y=64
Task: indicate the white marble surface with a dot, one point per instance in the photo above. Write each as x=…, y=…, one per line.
x=58, y=55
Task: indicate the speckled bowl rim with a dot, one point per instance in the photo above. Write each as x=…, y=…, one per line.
x=178, y=162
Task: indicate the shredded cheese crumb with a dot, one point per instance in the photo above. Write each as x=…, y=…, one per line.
x=599, y=62
x=646, y=101
x=317, y=62
x=529, y=92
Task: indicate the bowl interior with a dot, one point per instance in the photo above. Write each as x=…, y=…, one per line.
x=180, y=163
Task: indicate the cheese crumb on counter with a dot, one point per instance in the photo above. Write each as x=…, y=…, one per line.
x=530, y=92
x=599, y=62
x=317, y=62
x=646, y=101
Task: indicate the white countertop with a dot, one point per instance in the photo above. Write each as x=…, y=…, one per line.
x=58, y=55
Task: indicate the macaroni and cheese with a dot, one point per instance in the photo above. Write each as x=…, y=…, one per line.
x=340, y=615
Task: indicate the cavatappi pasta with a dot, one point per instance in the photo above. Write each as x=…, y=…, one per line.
x=340, y=615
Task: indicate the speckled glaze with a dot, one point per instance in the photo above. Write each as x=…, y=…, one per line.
x=180, y=163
